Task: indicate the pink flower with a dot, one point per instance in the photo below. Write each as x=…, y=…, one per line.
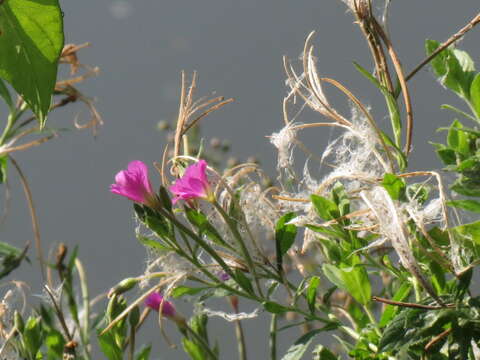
x=156, y=301
x=133, y=183
x=193, y=184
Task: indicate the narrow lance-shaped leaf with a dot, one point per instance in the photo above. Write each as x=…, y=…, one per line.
x=284, y=237
x=31, y=42
x=312, y=292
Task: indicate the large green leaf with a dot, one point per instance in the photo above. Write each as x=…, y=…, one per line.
x=31, y=40
x=324, y=207
x=470, y=205
x=471, y=231
x=353, y=279
x=454, y=67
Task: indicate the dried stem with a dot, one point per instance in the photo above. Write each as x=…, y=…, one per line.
x=403, y=85
x=446, y=44
x=411, y=305
x=33, y=215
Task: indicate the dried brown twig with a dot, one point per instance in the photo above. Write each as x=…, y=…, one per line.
x=459, y=34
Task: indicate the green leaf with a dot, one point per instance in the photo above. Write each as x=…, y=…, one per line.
x=274, y=307
x=353, y=279
x=324, y=207
x=243, y=281
x=193, y=350
x=10, y=258
x=475, y=95
x=284, y=237
x=322, y=353
x=392, y=105
x=438, y=62
x=3, y=168
x=152, y=244
x=466, y=189
x=54, y=342
x=395, y=186
x=31, y=42
x=458, y=140
x=445, y=154
x=181, y=290
x=109, y=346
x=312, y=292
x=143, y=353
x=454, y=67
x=200, y=221
x=32, y=336
x=458, y=111
x=470, y=205
x=5, y=94
x=470, y=231
x=296, y=351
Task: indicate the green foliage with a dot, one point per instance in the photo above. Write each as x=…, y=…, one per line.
x=353, y=279
x=10, y=258
x=31, y=42
x=454, y=67
x=413, y=331
x=284, y=237
x=395, y=187
x=324, y=207
x=312, y=292
x=296, y=351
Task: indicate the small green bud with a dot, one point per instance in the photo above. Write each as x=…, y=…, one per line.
x=123, y=286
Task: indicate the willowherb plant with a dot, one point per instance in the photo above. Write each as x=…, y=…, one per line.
x=368, y=252
x=380, y=264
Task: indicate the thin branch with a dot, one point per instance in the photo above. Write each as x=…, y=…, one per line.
x=437, y=339
x=446, y=44
x=411, y=305
x=33, y=215
x=403, y=85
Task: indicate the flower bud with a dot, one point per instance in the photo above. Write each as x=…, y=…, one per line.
x=123, y=286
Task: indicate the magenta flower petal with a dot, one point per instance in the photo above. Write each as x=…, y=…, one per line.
x=156, y=301
x=133, y=183
x=193, y=184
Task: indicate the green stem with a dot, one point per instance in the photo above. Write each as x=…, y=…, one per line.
x=372, y=319
x=131, y=352
x=85, y=329
x=199, y=241
x=11, y=120
x=8, y=127
x=273, y=337
x=201, y=341
x=243, y=247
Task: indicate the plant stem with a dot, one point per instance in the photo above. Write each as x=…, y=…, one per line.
x=243, y=247
x=242, y=348
x=84, y=330
x=201, y=342
x=273, y=337
x=446, y=44
x=372, y=319
x=131, y=352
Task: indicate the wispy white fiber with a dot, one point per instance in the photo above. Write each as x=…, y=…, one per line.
x=229, y=316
